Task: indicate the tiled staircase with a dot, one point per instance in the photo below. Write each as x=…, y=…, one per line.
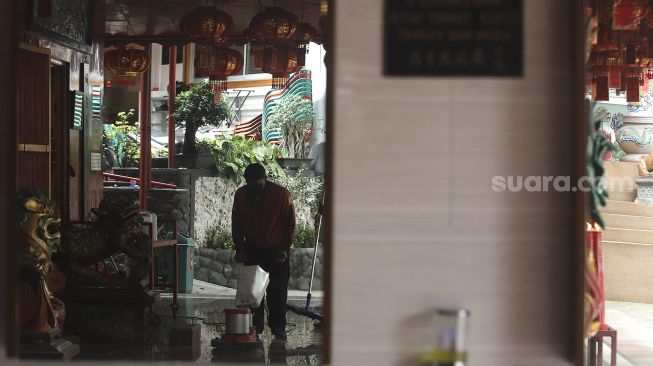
x=628, y=251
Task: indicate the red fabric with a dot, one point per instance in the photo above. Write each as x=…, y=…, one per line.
x=268, y=224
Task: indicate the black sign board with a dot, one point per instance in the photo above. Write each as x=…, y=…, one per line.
x=453, y=38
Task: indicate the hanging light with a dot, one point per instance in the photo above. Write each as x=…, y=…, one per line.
x=272, y=25
x=217, y=63
x=207, y=24
x=281, y=61
x=127, y=61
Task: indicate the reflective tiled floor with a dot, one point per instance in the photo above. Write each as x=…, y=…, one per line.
x=303, y=347
x=634, y=325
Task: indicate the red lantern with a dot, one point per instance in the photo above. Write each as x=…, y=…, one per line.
x=217, y=63
x=600, y=89
x=627, y=14
x=280, y=61
x=633, y=77
x=273, y=25
x=127, y=61
x=207, y=24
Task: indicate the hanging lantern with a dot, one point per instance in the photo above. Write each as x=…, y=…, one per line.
x=613, y=61
x=273, y=25
x=627, y=14
x=207, y=24
x=217, y=63
x=600, y=88
x=128, y=61
x=633, y=77
x=280, y=61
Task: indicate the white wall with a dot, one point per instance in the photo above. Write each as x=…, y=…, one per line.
x=413, y=162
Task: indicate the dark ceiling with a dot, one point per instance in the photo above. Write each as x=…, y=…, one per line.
x=154, y=19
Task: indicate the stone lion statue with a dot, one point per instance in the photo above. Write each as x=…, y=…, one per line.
x=39, y=238
x=645, y=166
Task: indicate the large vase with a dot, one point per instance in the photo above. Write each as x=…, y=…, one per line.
x=635, y=137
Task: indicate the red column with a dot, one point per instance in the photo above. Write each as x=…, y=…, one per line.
x=172, y=94
x=146, y=134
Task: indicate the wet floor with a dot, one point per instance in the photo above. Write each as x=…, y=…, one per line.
x=303, y=346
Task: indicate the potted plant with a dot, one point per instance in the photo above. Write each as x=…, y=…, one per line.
x=121, y=139
x=195, y=108
x=293, y=117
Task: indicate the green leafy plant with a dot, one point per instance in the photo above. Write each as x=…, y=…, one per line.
x=218, y=238
x=305, y=237
x=123, y=138
x=195, y=108
x=159, y=152
x=306, y=190
x=233, y=154
x=293, y=116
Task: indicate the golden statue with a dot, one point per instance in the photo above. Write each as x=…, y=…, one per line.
x=645, y=166
x=38, y=236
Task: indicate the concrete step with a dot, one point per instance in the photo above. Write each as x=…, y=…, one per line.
x=628, y=195
x=628, y=269
x=628, y=222
x=628, y=208
x=628, y=235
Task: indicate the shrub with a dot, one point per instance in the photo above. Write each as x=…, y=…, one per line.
x=305, y=237
x=232, y=155
x=195, y=108
x=123, y=138
x=306, y=190
x=293, y=117
x=220, y=239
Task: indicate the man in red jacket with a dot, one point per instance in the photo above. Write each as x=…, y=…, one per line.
x=263, y=226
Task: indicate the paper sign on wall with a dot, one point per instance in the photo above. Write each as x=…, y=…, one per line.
x=96, y=161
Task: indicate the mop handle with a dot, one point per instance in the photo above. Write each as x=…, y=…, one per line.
x=317, y=244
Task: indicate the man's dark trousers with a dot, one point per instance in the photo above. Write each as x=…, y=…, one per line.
x=276, y=297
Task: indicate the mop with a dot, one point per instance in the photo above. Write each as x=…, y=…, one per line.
x=306, y=311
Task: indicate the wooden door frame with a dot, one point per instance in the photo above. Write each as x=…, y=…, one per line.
x=63, y=136
x=41, y=148
x=8, y=139
x=579, y=129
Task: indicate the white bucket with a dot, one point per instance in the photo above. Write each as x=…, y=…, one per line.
x=150, y=217
x=252, y=283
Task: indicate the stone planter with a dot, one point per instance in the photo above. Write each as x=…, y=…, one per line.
x=195, y=161
x=636, y=137
x=294, y=164
x=218, y=266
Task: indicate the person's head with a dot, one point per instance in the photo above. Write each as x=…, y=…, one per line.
x=255, y=177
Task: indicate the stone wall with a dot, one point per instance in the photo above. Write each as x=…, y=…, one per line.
x=182, y=210
x=218, y=266
x=167, y=204
x=214, y=199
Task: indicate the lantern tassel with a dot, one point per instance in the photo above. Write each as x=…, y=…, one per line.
x=218, y=87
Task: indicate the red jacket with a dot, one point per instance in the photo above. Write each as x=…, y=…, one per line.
x=269, y=224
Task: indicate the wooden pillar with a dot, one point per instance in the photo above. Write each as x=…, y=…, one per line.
x=172, y=95
x=186, y=63
x=145, y=167
x=9, y=14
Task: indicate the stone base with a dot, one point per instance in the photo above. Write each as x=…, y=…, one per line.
x=633, y=158
x=644, y=190
x=107, y=314
x=58, y=349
